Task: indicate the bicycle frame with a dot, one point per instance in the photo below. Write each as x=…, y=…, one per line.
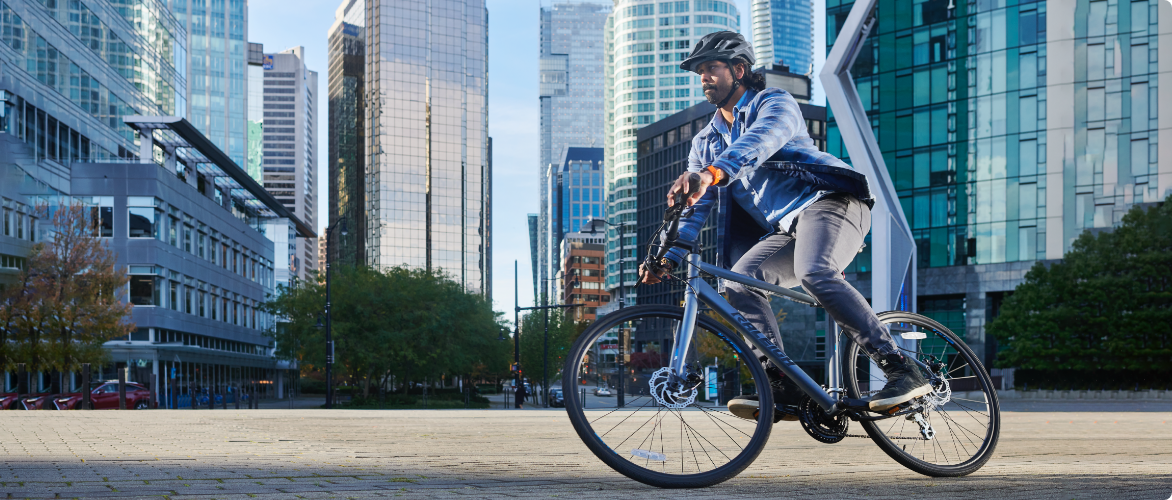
x=699, y=290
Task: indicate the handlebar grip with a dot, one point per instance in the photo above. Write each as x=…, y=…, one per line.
x=693, y=186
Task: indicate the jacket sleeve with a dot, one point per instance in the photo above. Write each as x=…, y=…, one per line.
x=778, y=120
x=694, y=219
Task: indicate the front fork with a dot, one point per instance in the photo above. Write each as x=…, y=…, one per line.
x=688, y=325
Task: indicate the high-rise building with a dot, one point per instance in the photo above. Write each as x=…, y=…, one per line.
x=783, y=34
x=215, y=67
x=646, y=41
x=426, y=137
x=572, y=84
x=577, y=195
x=254, y=145
x=290, y=142
x=582, y=262
x=346, y=161
x=1008, y=130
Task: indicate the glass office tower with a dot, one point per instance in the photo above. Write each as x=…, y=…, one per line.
x=216, y=69
x=1009, y=129
x=572, y=83
x=783, y=34
x=427, y=136
x=345, y=161
x=646, y=41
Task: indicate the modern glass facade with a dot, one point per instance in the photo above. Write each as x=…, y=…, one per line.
x=256, y=118
x=345, y=161
x=1009, y=128
x=578, y=194
x=427, y=136
x=217, y=69
x=72, y=70
x=290, y=143
x=783, y=34
x=572, y=84
x=645, y=43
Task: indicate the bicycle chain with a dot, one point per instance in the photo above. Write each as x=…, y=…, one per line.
x=888, y=437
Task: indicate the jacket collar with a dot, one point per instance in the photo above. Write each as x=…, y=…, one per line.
x=717, y=121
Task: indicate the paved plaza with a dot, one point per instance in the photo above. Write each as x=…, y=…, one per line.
x=1044, y=453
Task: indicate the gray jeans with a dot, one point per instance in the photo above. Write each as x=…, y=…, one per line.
x=826, y=237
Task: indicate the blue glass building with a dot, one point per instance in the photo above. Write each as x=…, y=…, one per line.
x=577, y=193
x=783, y=34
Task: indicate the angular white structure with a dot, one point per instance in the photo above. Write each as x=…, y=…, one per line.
x=893, y=252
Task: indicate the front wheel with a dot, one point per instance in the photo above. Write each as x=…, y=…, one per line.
x=666, y=433
x=954, y=429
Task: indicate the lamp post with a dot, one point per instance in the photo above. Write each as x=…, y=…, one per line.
x=545, y=341
x=329, y=316
x=593, y=223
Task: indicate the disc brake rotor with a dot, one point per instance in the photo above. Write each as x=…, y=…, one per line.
x=666, y=395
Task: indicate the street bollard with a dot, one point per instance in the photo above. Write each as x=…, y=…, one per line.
x=122, y=389
x=85, y=386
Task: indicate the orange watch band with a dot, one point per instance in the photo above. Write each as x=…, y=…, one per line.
x=717, y=174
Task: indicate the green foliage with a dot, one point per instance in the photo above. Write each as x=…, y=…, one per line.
x=562, y=334
x=1107, y=306
x=409, y=324
x=68, y=300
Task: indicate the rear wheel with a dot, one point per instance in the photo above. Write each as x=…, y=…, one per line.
x=955, y=429
x=666, y=434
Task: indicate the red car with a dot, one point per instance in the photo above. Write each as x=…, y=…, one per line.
x=8, y=401
x=105, y=397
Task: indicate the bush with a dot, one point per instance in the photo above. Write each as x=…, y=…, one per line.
x=1092, y=380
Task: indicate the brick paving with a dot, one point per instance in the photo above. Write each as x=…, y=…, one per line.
x=532, y=454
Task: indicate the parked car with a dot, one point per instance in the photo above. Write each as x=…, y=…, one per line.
x=555, y=399
x=602, y=391
x=8, y=401
x=105, y=397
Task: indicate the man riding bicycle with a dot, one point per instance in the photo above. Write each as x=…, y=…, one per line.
x=797, y=216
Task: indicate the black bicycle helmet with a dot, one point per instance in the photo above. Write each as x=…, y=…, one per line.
x=719, y=46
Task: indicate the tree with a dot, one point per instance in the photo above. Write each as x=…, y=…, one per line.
x=402, y=324
x=70, y=299
x=562, y=333
x=1106, y=306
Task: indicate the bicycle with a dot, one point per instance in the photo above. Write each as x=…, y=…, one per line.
x=677, y=437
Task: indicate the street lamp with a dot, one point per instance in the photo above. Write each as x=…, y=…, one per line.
x=593, y=224
x=329, y=316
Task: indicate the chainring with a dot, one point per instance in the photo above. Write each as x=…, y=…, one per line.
x=819, y=425
x=666, y=395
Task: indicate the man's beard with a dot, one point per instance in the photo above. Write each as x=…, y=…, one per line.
x=718, y=93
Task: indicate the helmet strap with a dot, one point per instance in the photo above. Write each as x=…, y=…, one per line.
x=736, y=83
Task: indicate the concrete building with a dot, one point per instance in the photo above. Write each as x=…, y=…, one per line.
x=290, y=143
x=583, y=281
x=1008, y=130
x=646, y=41
x=346, y=161
x=783, y=34
x=572, y=84
x=426, y=133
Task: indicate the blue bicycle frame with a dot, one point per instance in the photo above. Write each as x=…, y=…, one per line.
x=699, y=290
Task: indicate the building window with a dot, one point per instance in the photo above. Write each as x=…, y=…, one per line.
x=102, y=215
x=144, y=292
x=203, y=298
x=187, y=239
x=141, y=217
x=202, y=240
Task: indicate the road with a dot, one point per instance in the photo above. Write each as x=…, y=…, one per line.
x=1044, y=453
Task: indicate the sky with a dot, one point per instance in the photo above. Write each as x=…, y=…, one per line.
x=513, y=118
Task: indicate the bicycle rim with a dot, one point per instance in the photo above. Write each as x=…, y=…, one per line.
x=963, y=411
x=679, y=439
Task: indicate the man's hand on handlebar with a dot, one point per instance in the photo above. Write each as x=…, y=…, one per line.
x=650, y=277
x=681, y=188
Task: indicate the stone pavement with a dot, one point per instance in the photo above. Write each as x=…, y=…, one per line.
x=533, y=454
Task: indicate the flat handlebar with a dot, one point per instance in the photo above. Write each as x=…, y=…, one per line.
x=673, y=214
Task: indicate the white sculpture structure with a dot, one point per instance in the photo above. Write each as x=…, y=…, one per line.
x=893, y=249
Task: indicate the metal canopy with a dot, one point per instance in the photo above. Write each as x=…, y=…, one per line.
x=198, y=152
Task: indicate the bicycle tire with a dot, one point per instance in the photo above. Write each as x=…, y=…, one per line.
x=898, y=452
x=582, y=424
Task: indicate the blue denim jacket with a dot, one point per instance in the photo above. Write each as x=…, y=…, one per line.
x=772, y=171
